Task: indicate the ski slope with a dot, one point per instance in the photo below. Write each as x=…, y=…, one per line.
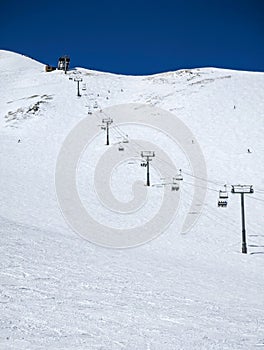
x=178, y=291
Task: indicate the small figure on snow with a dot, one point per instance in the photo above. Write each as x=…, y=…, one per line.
x=18, y=141
x=249, y=151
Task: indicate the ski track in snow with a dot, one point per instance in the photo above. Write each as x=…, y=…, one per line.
x=193, y=291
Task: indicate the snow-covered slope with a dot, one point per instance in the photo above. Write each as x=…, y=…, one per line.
x=193, y=291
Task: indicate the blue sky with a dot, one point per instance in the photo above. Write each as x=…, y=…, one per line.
x=137, y=37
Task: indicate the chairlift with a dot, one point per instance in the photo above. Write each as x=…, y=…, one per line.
x=179, y=176
x=223, y=196
x=175, y=187
x=125, y=140
x=121, y=148
x=95, y=105
x=222, y=204
x=103, y=127
x=143, y=164
x=163, y=180
x=84, y=87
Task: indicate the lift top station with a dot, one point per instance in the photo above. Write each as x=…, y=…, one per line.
x=64, y=63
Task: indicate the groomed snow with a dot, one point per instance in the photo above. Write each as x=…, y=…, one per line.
x=192, y=291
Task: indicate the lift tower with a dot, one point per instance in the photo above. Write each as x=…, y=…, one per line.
x=106, y=122
x=147, y=155
x=242, y=189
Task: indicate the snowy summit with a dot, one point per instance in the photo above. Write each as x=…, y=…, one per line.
x=178, y=291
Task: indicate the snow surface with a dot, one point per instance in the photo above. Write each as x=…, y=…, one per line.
x=192, y=291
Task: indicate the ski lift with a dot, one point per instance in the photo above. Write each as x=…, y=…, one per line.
x=95, y=105
x=175, y=186
x=125, y=140
x=84, y=87
x=158, y=185
x=223, y=196
x=103, y=127
x=163, y=181
x=222, y=204
x=144, y=164
x=179, y=176
x=89, y=110
x=121, y=147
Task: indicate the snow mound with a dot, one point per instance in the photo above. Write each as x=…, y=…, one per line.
x=14, y=62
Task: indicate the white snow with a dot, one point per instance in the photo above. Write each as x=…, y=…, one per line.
x=192, y=291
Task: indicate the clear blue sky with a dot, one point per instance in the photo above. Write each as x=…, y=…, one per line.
x=137, y=37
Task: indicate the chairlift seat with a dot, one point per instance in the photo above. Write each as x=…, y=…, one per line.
x=223, y=194
x=222, y=204
x=179, y=177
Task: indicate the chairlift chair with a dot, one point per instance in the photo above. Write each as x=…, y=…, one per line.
x=163, y=181
x=175, y=187
x=121, y=148
x=179, y=176
x=158, y=185
x=222, y=204
x=223, y=196
x=89, y=110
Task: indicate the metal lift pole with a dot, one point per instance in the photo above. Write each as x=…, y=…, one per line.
x=244, y=243
x=242, y=189
x=148, y=155
x=148, y=178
